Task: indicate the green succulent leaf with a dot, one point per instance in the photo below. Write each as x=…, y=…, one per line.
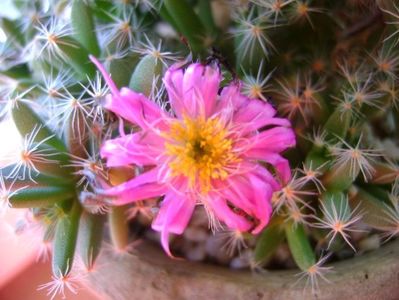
x=83, y=26
x=65, y=241
x=205, y=15
x=40, y=196
x=375, y=211
x=11, y=28
x=121, y=70
x=338, y=123
x=333, y=200
x=90, y=237
x=186, y=22
x=146, y=72
x=268, y=242
x=26, y=119
x=338, y=179
x=42, y=178
x=299, y=245
x=77, y=57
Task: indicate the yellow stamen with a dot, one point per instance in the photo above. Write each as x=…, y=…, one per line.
x=200, y=150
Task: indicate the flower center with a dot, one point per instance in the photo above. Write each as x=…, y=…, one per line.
x=200, y=150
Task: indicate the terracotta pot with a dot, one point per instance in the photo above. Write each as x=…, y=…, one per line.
x=149, y=274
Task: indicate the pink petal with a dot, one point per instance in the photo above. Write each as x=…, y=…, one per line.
x=261, y=198
x=136, y=108
x=281, y=164
x=276, y=139
x=173, y=80
x=246, y=114
x=267, y=177
x=229, y=101
x=242, y=169
x=231, y=96
x=254, y=114
x=193, y=91
x=142, y=187
x=238, y=191
x=253, y=195
x=132, y=106
x=173, y=217
x=142, y=148
x=224, y=213
x=252, y=108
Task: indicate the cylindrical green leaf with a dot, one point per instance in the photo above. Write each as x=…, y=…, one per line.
x=77, y=57
x=299, y=245
x=164, y=13
x=17, y=72
x=147, y=70
x=336, y=201
x=316, y=159
x=268, y=242
x=40, y=196
x=187, y=23
x=90, y=237
x=338, y=123
x=320, y=109
x=26, y=119
x=12, y=31
x=41, y=178
x=338, y=178
x=205, y=15
x=65, y=241
x=374, y=212
x=83, y=26
x=121, y=70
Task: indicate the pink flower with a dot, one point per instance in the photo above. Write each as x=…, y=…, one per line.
x=206, y=151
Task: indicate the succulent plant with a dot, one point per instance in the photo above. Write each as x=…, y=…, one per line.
x=330, y=67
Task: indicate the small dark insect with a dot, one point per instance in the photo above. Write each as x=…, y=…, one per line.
x=217, y=57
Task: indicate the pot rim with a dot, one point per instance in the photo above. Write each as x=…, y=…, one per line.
x=150, y=273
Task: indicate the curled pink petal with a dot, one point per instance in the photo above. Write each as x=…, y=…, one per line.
x=207, y=150
x=225, y=214
x=173, y=216
x=231, y=97
x=194, y=91
x=142, y=148
x=261, y=195
x=135, y=107
x=142, y=187
x=255, y=114
x=281, y=164
x=275, y=140
x=132, y=106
